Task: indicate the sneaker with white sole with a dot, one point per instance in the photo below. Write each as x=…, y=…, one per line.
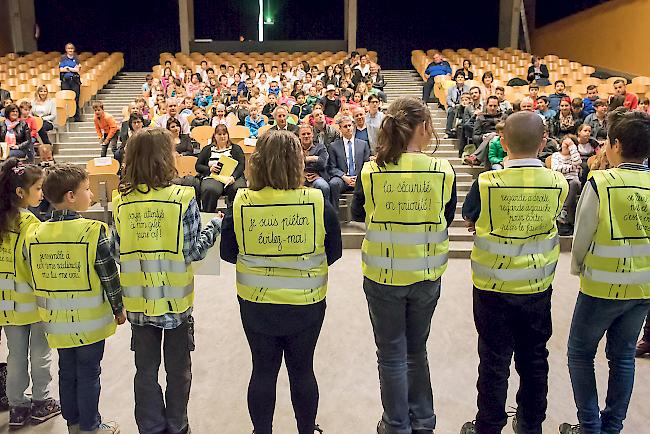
x=567, y=428
x=44, y=410
x=18, y=417
x=104, y=428
x=468, y=428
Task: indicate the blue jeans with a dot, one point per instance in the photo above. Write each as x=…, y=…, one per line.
x=401, y=320
x=622, y=321
x=79, y=387
x=322, y=185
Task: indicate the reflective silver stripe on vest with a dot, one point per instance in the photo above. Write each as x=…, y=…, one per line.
x=60, y=328
x=13, y=306
x=628, y=278
x=70, y=303
x=11, y=285
x=404, y=264
x=628, y=251
x=407, y=238
x=275, y=282
x=513, y=274
x=153, y=266
x=308, y=263
x=157, y=292
x=534, y=247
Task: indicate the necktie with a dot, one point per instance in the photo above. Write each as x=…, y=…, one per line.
x=350, y=159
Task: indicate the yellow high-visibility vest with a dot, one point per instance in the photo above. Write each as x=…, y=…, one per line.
x=406, y=237
x=70, y=299
x=516, y=245
x=17, y=299
x=281, y=239
x=617, y=265
x=155, y=278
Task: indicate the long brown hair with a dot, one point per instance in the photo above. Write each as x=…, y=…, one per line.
x=398, y=127
x=14, y=174
x=277, y=162
x=149, y=160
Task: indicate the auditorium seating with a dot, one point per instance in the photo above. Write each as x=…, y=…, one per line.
x=509, y=63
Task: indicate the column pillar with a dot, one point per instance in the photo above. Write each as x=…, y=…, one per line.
x=351, y=24
x=186, y=23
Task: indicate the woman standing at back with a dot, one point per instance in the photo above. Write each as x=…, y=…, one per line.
x=282, y=236
x=407, y=200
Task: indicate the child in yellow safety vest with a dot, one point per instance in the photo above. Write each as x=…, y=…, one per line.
x=78, y=294
x=513, y=213
x=20, y=187
x=611, y=254
x=156, y=237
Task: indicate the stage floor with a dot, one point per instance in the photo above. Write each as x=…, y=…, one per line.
x=345, y=362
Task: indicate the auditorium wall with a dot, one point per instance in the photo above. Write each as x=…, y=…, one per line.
x=612, y=35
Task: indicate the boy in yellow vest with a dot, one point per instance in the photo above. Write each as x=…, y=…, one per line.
x=513, y=213
x=611, y=254
x=78, y=294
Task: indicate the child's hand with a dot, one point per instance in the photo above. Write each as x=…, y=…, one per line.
x=220, y=215
x=471, y=226
x=120, y=318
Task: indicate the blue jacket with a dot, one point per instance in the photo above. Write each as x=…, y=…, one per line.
x=435, y=69
x=253, y=126
x=588, y=106
x=554, y=100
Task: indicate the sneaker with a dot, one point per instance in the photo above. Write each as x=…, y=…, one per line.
x=642, y=348
x=18, y=417
x=468, y=428
x=470, y=160
x=104, y=428
x=565, y=229
x=45, y=410
x=567, y=428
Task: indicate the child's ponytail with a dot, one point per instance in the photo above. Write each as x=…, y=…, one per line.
x=14, y=174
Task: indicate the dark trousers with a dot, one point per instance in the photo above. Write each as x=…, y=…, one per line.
x=507, y=324
x=337, y=187
x=79, y=386
x=112, y=142
x=427, y=88
x=646, y=328
x=154, y=415
x=74, y=85
x=47, y=126
x=212, y=190
x=267, y=352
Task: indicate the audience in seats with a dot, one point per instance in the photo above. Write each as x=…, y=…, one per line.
x=323, y=132
x=208, y=164
x=555, y=98
x=316, y=158
x=598, y=120
x=543, y=109
x=181, y=142
x=44, y=107
x=16, y=133
x=488, y=88
x=254, y=121
x=631, y=100
x=590, y=100
x=347, y=155
x=129, y=127
x=565, y=121
x=280, y=115
x=453, y=101
x=568, y=162
x=496, y=153
x=466, y=69
x=4, y=95
x=504, y=105
x=373, y=121
x=360, y=128
x=172, y=112
x=538, y=72
x=435, y=68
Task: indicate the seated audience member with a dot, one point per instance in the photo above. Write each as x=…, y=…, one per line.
x=434, y=69
x=378, y=81
x=577, y=108
x=16, y=133
x=347, y=156
x=46, y=156
x=219, y=115
x=182, y=142
x=565, y=122
x=644, y=105
x=204, y=99
x=26, y=115
x=555, y=98
x=526, y=104
x=486, y=122
x=200, y=118
x=208, y=163
x=542, y=109
x=549, y=146
x=330, y=102
x=453, y=101
x=129, y=127
x=5, y=103
x=631, y=100
x=194, y=85
x=538, y=72
x=587, y=147
x=488, y=88
x=345, y=92
x=313, y=97
x=466, y=69
x=316, y=157
x=143, y=108
x=323, y=132
x=374, y=116
x=598, y=120
x=301, y=108
x=172, y=112
x=615, y=101
x=45, y=108
x=241, y=109
x=274, y=88
x=4, y=95
x=504, y=104
x=360, y=128
x=270, y=107
x=533, y=93
x=254, y=121
x=496, y=154
x=469, y=117
x=567, y=161
x=280, y=115
x=329, y=77
x=364, y=65
x=590, y=100
x=146, y=86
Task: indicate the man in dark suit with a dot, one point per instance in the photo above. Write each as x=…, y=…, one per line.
x=347, y=156
x=280, y=116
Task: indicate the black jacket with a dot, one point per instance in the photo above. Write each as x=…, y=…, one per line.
x=338, y=163
x=378, y=82
x=484, y=124
x=4, y=94
x=23, y=135
x=290, y=127
x=185, y=147
x=531, y=73
x=236, y=152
